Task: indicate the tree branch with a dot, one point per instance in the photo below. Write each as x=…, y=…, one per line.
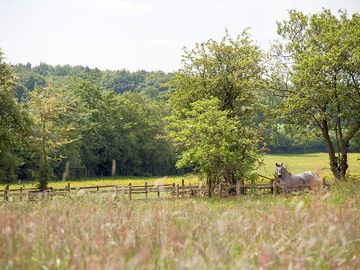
x=352, y=132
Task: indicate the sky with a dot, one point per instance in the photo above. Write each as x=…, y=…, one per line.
x=136, y=34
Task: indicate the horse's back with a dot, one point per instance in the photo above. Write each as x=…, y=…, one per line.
x=312, y=179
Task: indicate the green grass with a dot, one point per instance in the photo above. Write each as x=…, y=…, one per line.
x=297, y=163
x=121, y=180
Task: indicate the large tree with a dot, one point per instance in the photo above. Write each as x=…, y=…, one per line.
x=214, y=108
x=318, y=74
x=13, y=122
x=52, y=127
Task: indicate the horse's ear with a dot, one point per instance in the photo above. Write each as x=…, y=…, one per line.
x=282, y=164
x=277, y=165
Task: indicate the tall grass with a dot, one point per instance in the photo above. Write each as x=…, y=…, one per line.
x=301, y=231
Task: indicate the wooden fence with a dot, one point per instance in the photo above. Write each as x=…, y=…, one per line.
x=131, y=191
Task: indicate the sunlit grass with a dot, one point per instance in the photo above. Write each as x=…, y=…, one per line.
x=317, y=230
x=300, y=231
x=297, y=163
x=123, y=181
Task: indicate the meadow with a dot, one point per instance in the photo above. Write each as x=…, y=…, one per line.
x=307, y=230
x=299, y=231
x=295, y=163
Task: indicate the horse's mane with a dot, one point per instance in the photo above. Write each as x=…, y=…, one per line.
x=286, y=170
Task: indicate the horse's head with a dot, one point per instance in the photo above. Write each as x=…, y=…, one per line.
x=279, y=169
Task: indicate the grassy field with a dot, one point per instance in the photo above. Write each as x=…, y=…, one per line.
x=303, y=231
x=120, y=180
x=319, y=230
x=296, y=163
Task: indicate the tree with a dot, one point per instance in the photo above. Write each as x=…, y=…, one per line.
x=318, y=75
x=13, y=122
x=141, y=135
x=128, y=127
x=214, y=142
x=49, y=109
x=105, y=124
x=222, y=77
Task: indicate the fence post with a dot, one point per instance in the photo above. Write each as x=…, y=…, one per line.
x=66, y=171
x=174, y=190
x=68, y=187
x=191, y=190
x=221, y=189
x=183, y=186
x=146, y=190
x=6, y=192
x=113, y=167
x=158, y=191
x=274, y=188
x=237, y=188
x=116, y=190
x=177, y=191
x=129, y=191
x=21, y=193
x=242, y=188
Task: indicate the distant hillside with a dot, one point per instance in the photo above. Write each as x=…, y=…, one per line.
x=150, y=83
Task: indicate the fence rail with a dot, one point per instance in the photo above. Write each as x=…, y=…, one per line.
x=172, y=190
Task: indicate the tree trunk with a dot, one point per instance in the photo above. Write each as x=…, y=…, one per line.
x=242, y=182
x=227, y=173
x=209, y=184
x=343, y=161
x=334, y=164
x=338, y=164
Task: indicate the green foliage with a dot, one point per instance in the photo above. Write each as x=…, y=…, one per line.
x=151, y=83
x=105, y=121
x=209, y=139
x=128, y=128
x=214, y=108
x=288, y=138
x=321, y=57
x=52, y=127
x=13, y=123
x=229, y=70
x=220, y=113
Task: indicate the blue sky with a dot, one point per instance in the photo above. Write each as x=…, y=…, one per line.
x=136, y=34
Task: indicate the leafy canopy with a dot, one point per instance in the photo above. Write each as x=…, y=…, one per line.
x=318, y=75
x=214, y=108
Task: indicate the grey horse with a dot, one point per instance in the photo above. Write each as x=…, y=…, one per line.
x=290, y=181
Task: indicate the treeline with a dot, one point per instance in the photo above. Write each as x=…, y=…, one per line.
x=86, y=117
x=281, y=138
x=229, y=102
x=148, y=83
